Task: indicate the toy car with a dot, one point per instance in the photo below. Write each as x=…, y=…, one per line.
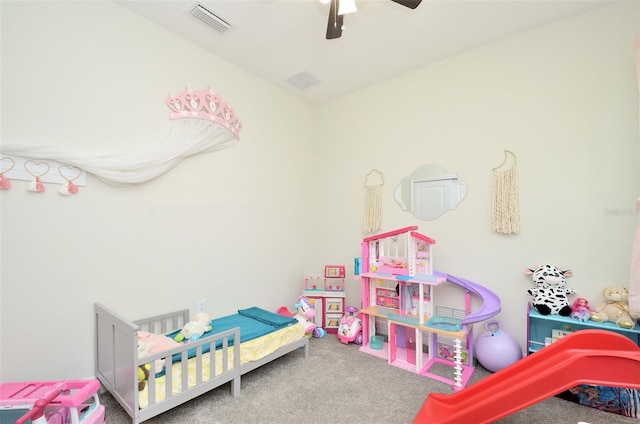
x=52, y=402
x=350, y=329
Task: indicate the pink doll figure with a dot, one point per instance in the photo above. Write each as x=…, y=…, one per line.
x=580, y=309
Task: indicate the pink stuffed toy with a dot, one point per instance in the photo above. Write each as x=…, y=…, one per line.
x=305, y=314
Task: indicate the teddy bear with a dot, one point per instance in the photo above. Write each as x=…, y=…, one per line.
x=193, y=330
x=143, y=376
x=550, y=296
x=615, y=308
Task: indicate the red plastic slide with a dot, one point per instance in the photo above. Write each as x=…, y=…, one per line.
x=596, y=357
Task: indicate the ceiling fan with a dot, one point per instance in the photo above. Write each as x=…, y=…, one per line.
x=336, y=14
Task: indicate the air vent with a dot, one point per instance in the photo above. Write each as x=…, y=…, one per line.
x=209, y=18
x=303, y=80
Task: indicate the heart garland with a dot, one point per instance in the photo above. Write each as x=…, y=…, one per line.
x=5, y=183
x=36, y=170
x=69, y=173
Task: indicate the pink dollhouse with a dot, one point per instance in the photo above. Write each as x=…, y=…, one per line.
x=398, y=282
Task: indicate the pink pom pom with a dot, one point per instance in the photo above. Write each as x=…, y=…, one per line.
x=5, y=183
x=73, y=188
x=39, y=185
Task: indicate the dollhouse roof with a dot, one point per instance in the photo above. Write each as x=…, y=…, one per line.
x=410, y=230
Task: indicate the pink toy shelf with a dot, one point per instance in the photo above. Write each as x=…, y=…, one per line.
x=332, y=280
x=66, y=402
x=326, y=289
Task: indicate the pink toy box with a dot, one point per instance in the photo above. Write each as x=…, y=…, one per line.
x=62, y=402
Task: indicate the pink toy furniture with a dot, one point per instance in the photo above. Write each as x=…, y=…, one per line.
x=52, y=402
x=398, y=282
x=328, y=292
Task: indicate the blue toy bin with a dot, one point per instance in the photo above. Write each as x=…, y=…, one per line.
x=376, y=342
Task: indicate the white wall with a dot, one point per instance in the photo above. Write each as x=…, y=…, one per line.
x=230, y=226
x=239, y=226
x=563, y=98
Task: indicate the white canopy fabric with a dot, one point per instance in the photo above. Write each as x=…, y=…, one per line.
x=201, y=123
x=191, y=136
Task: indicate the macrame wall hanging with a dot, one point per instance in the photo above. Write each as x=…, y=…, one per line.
x=373, y=183
x=202, y=122
x=505, y=215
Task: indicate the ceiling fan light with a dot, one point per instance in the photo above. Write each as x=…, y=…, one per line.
x=346, y=6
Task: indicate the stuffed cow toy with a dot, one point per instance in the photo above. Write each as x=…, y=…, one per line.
x=550, y=296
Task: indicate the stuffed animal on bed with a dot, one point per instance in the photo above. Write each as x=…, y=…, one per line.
x=151, y=343
x=193, y=330
x=550, y=296
x=143, y=376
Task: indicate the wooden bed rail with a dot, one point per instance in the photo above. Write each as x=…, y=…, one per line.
x=117, y=362
x=164, y=323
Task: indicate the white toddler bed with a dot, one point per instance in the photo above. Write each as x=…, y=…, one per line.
x=197, y=367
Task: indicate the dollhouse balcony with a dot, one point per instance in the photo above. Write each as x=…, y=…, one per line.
x=391, y=270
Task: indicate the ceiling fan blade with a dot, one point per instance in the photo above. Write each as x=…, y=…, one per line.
x=334, y=27
x=411, y=4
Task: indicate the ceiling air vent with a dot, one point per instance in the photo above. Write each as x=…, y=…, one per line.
x=303, y=80
x=209, y=18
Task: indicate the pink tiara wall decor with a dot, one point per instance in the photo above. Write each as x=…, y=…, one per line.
x=206, y=105
x=202, y=122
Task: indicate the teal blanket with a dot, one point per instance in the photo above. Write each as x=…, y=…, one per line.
x=266, y=317
x=253, y=322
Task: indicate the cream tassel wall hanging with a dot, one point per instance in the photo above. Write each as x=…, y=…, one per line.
x=505, y=215
x=373, y=183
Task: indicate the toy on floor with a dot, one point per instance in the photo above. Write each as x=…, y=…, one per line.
x=193, y=330
x=319, y=332
x=496, y=349
x=580, y=309
x=350, y=329
x=305, y=312
x=52, y=402
x=550, y=296
x=615, y=308
x=600, y=357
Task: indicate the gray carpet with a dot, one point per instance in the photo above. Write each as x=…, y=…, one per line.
x=339, y=384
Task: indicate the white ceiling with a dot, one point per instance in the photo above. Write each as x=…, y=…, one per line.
x=277, y=39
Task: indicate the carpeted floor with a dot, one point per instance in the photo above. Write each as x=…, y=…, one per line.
x=339, y=384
